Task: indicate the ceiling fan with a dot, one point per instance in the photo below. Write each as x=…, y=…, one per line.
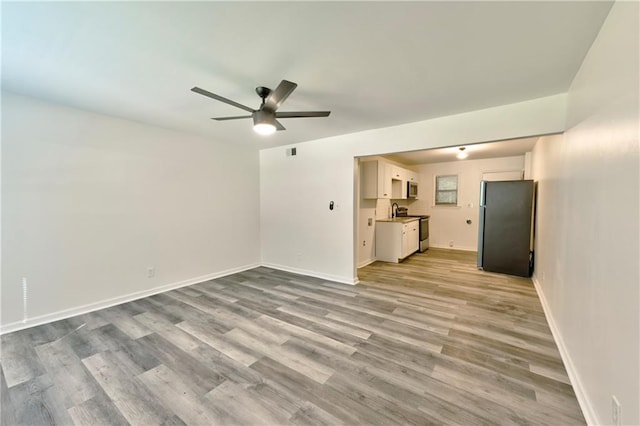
x=265, y=118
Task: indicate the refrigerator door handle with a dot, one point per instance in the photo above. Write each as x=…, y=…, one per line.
x=481, y=207
x=480, y=236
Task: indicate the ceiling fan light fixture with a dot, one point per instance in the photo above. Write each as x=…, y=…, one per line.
x=264, y=128
x=462, y=154
x=264, y=123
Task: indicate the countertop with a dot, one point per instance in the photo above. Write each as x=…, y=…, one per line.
x=399, y=219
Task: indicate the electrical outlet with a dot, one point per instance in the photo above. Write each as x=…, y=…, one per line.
x=616, y=412
x=450, y=243
x=151, y=272
x=364, y=243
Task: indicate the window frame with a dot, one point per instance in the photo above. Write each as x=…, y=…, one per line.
x=437, y=191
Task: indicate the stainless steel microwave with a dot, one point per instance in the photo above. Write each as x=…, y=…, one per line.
x=412, y=189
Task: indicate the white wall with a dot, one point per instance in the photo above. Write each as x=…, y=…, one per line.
x=300, y=233
x=366, y=232
x=449, y=224
x=90, y=201
x=588, y=224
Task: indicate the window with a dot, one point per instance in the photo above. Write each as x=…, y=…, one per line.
x=447, y=190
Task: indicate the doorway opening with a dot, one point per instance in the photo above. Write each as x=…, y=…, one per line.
x=382, y=189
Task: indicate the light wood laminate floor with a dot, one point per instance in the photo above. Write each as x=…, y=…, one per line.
x=428, y=341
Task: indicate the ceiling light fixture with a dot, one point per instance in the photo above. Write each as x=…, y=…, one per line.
x=462, y=154
x=264, y=128
x=264, y=122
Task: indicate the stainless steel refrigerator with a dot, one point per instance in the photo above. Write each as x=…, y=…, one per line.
x=505, y=240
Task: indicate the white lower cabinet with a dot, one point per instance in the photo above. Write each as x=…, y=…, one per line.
x=396, y=240
x=410, y=238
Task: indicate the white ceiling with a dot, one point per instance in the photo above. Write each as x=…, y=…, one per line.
x=509, y=148
x=373, y=64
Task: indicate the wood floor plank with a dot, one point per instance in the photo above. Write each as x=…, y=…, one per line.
x=339, y=326
x=118, y=342
x=279, y=405
x=20, y=362
x=174, y=394
x=506, y=351
x=306, y=334
x=85, y=343
x=406, y=356
x=38, y=402
x=556, y=374
x=128, y=394
x=74, y=383
x=97, y=411
x=566, y=404
x=198, y=376
x=389, y=330
x=260, y=285
x=7, y=409
x=159, y=325
x=387, y=408
x=120, y=317
x=232, y=349
x=199, y=310
x=236, y=398
x=290, y=382
x=225, y=366
x=518, y=373
x=312, y=415
x=291, y=359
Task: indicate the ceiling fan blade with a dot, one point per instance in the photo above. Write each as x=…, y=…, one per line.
x=282, y=92
x=221, y=99
x=231, y=118
x=279, y=125
x=299, y=114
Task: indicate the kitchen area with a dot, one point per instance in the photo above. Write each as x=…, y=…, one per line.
x=401, y=235
x=390, y=189
x=408, y=202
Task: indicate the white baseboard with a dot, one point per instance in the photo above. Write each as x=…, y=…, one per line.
x=452, y=248
x=67, y=313
x=587, y=408
x=366, y=262
x=328, y=277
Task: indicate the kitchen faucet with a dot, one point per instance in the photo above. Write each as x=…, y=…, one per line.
x=394, y=213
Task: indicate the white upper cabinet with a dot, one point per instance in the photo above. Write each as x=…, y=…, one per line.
x=412, y=176
x=379, y=179
x=398, y=173
x=375, y=179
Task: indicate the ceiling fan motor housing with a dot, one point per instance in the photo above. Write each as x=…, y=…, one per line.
x=264, y=116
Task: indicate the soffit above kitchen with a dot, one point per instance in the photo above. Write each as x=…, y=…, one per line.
x=496, y=149
x=373, y=64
